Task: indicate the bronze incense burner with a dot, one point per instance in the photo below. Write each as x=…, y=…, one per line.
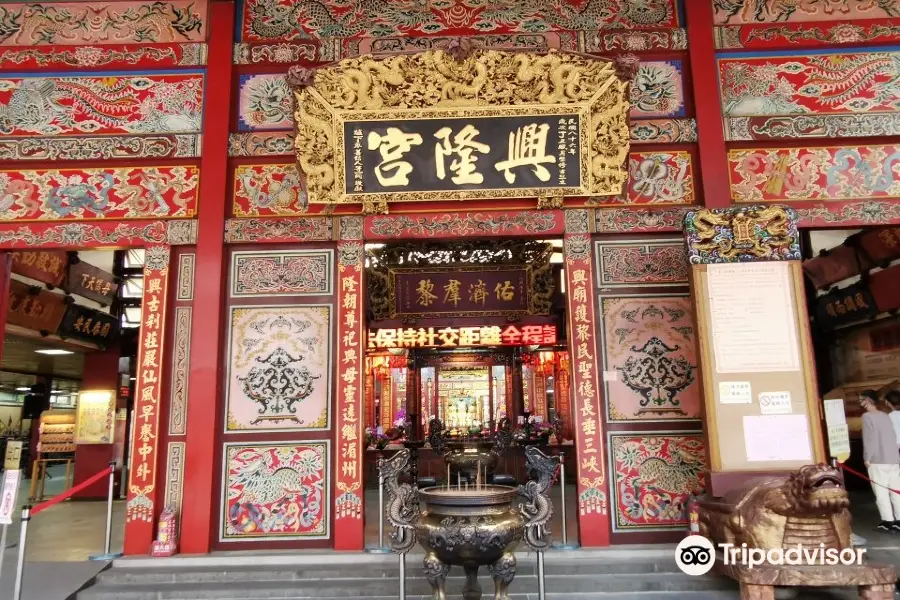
x=471, y=527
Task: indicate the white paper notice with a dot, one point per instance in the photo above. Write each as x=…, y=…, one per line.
x=8, y=495
x=777, y=438
x=839, y=441
x=752, y=318
x=834, y=412
x=735, y=392
x=610, y=375
x=775, y=403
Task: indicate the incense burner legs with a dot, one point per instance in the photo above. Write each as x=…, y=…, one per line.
x=436, y=574
x=503, y=572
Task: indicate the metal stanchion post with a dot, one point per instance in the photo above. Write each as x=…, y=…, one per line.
x=107, y=555
x=403, y=576
x=381, y=549
x=2, y=549
x=564, y=545
x=20, y=565
x=540, y=560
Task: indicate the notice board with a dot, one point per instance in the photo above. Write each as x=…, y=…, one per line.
x=760, y=396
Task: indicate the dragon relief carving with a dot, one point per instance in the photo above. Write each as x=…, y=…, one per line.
x=756, y=232
x=475, y=83
x=403, y=502
x=538, y=508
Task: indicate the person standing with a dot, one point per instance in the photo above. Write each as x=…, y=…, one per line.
x=882, y=461
x=892, y=400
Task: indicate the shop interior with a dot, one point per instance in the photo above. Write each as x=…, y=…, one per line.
x=66, y=384
x=853, y=300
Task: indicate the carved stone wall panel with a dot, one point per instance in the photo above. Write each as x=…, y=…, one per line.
x=186, y=264
x=279, y=368
x=275, y=491
x=181, y=351
x=656, y=473
x=642, y=263
x=650, y=362
x=283, y=273
x=174, y=493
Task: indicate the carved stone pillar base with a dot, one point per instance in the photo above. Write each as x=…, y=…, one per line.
x=876, y=592
x=757, y=592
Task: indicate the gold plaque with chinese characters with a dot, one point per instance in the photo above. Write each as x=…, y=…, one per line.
x=489, y=125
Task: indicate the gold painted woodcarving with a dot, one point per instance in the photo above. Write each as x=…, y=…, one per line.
x=561, y=121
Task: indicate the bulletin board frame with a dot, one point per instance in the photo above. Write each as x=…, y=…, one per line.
x=727, y=451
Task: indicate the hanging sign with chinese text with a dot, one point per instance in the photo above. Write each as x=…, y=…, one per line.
x=90, y=282
x=452, y=337
x=89, y=325
x=434, y=126
x=41, y=311
x=512, y=155
x=46, y=266
x=461, y=292
x=845, y=305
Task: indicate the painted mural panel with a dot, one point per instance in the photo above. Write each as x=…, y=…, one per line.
x=105, y=104
x=279, y=368
x=825, y=173
x=650, y=358
x=775, y=11
x=266, y=102
x=641, y=263
x=76, y=23
x=268, y=190
x=275, y=492
x=812, y=126
x=115, y=56
x=296, y=273
x=655, y=476
x=660, y=178
x=794, y=35
x=271, y=20
x=658, y=90
x=76, y=194
x=829, y=83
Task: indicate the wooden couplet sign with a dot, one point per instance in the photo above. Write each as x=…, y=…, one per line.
x=761, y=401
x=41, y=311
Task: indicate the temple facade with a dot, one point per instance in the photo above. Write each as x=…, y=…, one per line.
x=362, y=220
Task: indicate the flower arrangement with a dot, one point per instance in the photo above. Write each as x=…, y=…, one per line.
x=376, y=437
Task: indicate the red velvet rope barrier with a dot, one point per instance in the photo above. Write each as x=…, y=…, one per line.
x=68, y=493
x=861, y=476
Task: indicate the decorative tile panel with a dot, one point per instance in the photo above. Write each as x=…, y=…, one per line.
x=113, y=147
x=634, y=220
x=825, y=173
x=37, y=105
x=288, y=20
x=295, y=273
x=660, y=178
x=275, y=492
x=798, y=35
x=268, y=190
x=463, y=224
x=534, y=41
x=181, y=372
x=655, y=476
x=292, y=230
x=76, y=194
x=635, y=40
x=279, y=368
x=121, y=56
x=76, y=23
x=821, y=83
x=650, y=359
x=738, y=12
x=641, y=263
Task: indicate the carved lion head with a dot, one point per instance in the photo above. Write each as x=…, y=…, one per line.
x=818, y=488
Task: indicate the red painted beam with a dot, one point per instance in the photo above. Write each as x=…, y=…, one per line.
x=206, y=329
x=705, y=78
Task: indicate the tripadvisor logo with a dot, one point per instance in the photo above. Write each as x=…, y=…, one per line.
x=695, y=555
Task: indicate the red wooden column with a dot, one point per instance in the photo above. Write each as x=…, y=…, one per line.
x=705, y=77
x=593, y=511
x=349, y=525
x=141, y=507
x=206, y=330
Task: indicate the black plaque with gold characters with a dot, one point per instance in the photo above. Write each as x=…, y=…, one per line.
x=477, y=153
x=91, y=282
x=90, y=325
x=845, y=305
